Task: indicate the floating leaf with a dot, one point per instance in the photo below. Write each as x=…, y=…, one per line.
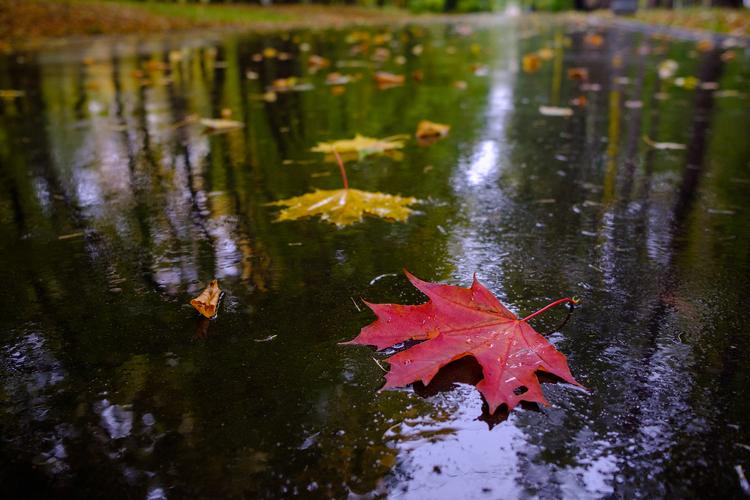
x=219, y=124
x=291, y=84
x=385, y=79
x=546, y=53
x=667, y=69
x=531, y=63
x=581, y=74
x=10, y=94
x=343, y=207
x=458, y=322
x=207, y=302
x=663, y=145
x=593, y=40
x=316, y=62
x=337, y=79
x=361, y=145
x=431, y=130
x=555, y=111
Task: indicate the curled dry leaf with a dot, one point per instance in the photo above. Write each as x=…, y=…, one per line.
x=343, y=207
x=207, y=302
x=431, y=130
x=555, y=111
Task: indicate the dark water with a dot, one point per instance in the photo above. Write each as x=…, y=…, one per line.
x=114, y=213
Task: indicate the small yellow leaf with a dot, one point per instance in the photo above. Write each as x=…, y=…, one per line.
x=531, y=63
x=343, y=207
x=362, y=145
x=208, y=301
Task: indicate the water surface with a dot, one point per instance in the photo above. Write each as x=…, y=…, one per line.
x=116, y=209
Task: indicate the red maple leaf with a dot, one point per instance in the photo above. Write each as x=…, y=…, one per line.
x=458, y=322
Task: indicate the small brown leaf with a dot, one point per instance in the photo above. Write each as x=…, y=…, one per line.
x=385, y=79
x=207, y=302
x=431, y=130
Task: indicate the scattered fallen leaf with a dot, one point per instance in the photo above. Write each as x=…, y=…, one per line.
x=729, y=55
x=555, y=111
x=343, y=207
x=317, y=62
x=431, y=130
x=460, y=85
x=208, y=301
x=219, y=124
x=579, y=101
x=667, y=69
x=385, y=79
x=291, y=84
x=593, y=40
x=458, y=322
x=361, y=145
x=663, y=145
x=531, y=63
x=545, y=53
x=270, y=53
x=9, y=94
x=581, y=74
x=336, y=78
x=705, y=45
x=687, y=82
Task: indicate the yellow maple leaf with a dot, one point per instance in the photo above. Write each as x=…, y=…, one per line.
x=343, y=207
x=361, y=145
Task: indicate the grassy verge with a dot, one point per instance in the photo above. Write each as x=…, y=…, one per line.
x=25, y=22
x=729, y=21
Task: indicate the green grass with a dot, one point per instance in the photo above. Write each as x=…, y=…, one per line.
x=197, y=13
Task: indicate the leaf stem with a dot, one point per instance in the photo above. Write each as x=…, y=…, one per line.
x=341, y=169
x=566, y=300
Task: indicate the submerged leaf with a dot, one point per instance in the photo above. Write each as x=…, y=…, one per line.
x=208, y=301
x=345, y=206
